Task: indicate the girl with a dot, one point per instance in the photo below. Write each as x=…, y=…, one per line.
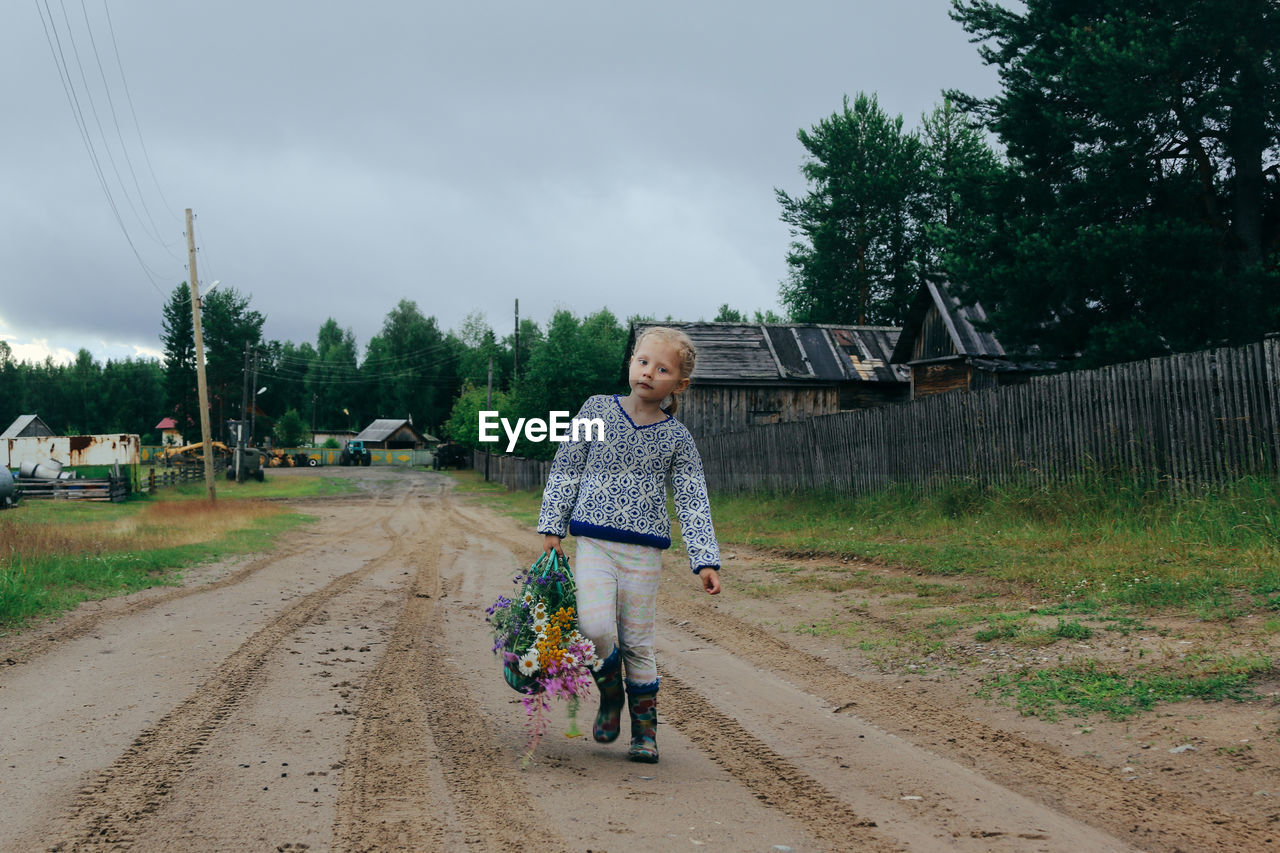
x=612, y=495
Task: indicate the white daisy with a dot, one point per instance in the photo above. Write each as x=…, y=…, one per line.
x=529, y=662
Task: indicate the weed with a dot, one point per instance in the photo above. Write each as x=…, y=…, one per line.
x=1086, y=688
x=1072, y=630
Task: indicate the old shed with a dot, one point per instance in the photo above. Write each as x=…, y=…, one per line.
x=946, y=346
x=27, y=426
x=393, y=434
x=755, y=373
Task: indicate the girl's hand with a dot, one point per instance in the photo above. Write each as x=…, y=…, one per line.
x=710, y=581
x=551, y=543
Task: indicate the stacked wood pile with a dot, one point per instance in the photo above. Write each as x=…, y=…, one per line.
x=112, y=489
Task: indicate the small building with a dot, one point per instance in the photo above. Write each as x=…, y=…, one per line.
x=946, y=346
x=758, y=373
x=393, y=434
x=170, y=436
x=340, y=436
x=27, y=426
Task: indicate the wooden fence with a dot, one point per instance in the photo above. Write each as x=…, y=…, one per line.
x=1199, y=417
x=105, y=489
x=513, y=472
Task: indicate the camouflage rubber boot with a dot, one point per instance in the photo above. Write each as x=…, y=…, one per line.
x=644, y=726
x=609, y=682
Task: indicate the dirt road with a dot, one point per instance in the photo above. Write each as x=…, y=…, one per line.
x=338, y=693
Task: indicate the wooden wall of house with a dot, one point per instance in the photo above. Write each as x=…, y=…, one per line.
x=930, y=379
x=867, y=395
x=712, y=409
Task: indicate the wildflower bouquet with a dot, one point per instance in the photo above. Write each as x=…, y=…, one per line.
x=543, y=653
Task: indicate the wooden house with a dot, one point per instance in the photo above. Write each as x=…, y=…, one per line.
x=27, y=426
x=946, y=347
x=757, y=373
x=170, y=436
x=393, y=434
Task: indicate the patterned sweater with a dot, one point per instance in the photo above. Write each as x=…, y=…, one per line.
x=615, y=489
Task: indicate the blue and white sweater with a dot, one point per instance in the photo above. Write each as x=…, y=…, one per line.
x=615, y=489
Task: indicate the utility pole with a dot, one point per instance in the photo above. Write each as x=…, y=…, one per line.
x=515, y=351
x=244, y=416
x=202, y=385
x=488, y=405
x=253, y=412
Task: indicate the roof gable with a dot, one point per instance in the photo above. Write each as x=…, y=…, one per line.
x=963, y=324
x=26, y=426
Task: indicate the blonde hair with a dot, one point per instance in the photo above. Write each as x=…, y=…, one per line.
x=685, y=352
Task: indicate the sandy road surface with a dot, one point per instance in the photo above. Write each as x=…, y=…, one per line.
x=338, y=693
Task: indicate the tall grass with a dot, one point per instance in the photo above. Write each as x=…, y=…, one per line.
x=55, y=554
x=1098, y=537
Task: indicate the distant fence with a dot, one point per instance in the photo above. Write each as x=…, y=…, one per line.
x=154, y=455
x=512, y=471
x=1199, y=417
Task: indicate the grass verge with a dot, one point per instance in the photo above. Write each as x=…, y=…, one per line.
x=56, y=554
x=1105, y=540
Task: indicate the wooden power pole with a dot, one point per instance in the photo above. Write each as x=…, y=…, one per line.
x=202, y=384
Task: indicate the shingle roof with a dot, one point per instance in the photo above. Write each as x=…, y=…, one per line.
x=761, y=352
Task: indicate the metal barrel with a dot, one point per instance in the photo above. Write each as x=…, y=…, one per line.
x=50, y=469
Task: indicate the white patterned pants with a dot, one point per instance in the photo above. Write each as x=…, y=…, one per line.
x=617, y=603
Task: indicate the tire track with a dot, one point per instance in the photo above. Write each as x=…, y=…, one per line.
x=774, y=780
x=417, y=721
x=1143, y=814
x=110, y=809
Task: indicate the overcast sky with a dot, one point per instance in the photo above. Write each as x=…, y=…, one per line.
x=340, y=157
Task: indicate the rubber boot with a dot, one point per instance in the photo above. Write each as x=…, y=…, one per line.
x=609, y=682
x=644, y=726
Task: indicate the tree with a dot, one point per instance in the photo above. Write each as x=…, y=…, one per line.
x=178, y=337
x=229, y=325
x=578, y=358
x=463, y=425
x=725, y=314
x=290, y=429
x=858, y=246
x=333, y=378
x=960, y=168
x=411, y=367
x=1141, y=210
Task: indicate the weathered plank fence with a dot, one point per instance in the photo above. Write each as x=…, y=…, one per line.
x=106, y=489
x=1193, y=418
x=514, y=472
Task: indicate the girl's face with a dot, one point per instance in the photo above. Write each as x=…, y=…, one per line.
x=655, y=371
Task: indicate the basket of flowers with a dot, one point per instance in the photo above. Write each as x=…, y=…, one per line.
x=543, y=653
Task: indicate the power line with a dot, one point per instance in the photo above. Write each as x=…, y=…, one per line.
x=133, y=112
x=124, y=149
x=73, y=100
